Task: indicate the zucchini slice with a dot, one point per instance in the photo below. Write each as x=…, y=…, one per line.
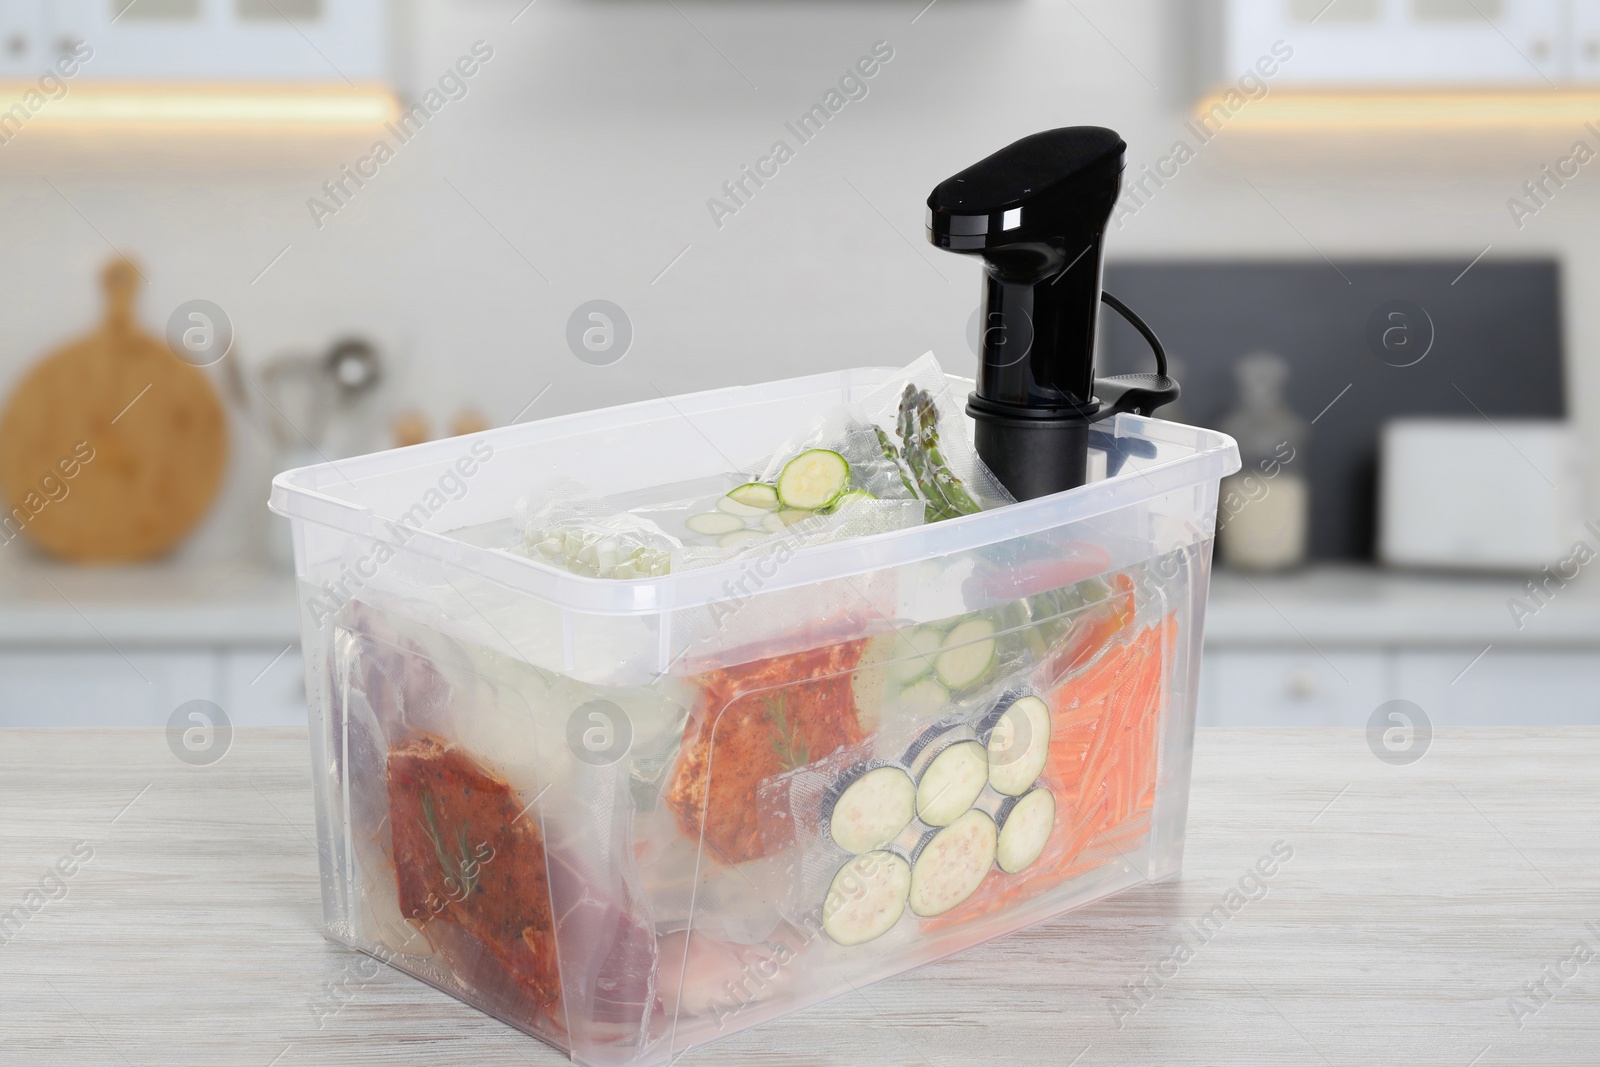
x=967, y=654
x=813, y=479
x=772, y=522
x=916, y=653
x=951, y=783
x=1026, y=823
x=713, y=523
x=1019, y=746
x=929, y=740
x=790, y=516
x=871, y=808
x=869, y=685
x=950, y=864
x=741, y=538
x=924, y=695
x=881, y=700
x=848, y=497
x=729, y=506
x=866, y=898
x=758, y=495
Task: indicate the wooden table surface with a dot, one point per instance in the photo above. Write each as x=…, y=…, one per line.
x=1418, y=905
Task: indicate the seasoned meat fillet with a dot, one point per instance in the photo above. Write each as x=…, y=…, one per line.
x=754, y=721
x=467, y=855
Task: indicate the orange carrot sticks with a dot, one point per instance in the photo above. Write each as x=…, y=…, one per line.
x=1102, y=768
x=1093, y=629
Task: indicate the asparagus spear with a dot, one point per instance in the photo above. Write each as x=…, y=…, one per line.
x=918, y=425
x=917, y=461
x=892, y=454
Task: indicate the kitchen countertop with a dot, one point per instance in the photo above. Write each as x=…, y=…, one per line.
x=49, y=604
x=1417, y=903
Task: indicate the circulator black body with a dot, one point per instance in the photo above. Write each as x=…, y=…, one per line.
x=1036, y=212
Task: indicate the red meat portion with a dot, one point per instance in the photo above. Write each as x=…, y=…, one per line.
x=468, y=856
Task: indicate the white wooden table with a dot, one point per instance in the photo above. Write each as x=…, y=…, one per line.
x=1418, y=902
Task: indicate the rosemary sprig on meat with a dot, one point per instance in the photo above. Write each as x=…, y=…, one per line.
x=462, y=871
x=787, y=743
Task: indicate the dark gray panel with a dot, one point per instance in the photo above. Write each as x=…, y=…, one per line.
x=1497, y=344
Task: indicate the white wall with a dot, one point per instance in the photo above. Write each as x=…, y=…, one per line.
x=593, y=138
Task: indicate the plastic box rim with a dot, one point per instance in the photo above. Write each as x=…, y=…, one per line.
x=296, y=494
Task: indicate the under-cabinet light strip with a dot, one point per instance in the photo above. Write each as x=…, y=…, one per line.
x=1287, y=109
x=206, y=105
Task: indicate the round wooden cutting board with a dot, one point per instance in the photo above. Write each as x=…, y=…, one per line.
x=111, y=449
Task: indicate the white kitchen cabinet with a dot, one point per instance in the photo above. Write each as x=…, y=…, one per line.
x=23, y=51
x=253, y=685
x=1359, y=43
x=1281, y=687
x=191, y=632
x=71, y=687
x=1586, y=40
x=222, y=40
x=1507, y=687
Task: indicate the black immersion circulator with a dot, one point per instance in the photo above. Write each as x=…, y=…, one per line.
x=1036, y=212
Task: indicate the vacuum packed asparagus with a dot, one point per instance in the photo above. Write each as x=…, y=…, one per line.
x=918, y=425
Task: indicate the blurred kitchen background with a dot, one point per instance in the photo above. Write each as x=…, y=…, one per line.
x=1367, y=231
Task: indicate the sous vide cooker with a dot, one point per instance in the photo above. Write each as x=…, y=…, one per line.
x=1035, y=212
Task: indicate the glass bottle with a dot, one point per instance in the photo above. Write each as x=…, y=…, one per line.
x=1263, y=513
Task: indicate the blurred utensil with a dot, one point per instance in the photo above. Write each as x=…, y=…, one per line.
x=410, y=428
x=299, y=393
x=468, y=421
x=355, y=369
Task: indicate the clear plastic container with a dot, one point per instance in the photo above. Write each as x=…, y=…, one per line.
x=630, y=817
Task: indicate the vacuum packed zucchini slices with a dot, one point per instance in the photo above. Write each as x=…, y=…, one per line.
x=914, y=653
x=867, y=897
x=871, y=809
x=729, y=506
x=745, y=516
x=924, y=695
x=849, y=497
x=951, y=782
x=741, y=538
x=815, y=482
x=813, y=479
x=966, y=654
x=1019, y=746
x=1025, y=823
x=714, y=523
x=951, y=863
x=758, y=496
